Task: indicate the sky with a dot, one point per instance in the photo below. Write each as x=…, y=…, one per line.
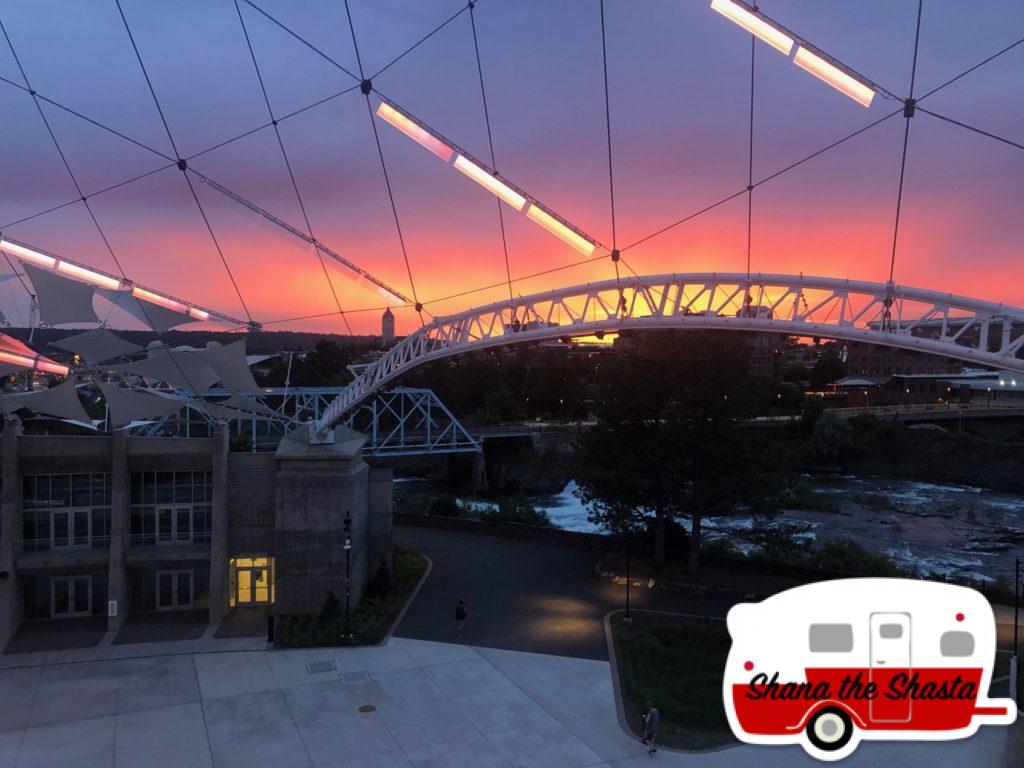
x=679, y=91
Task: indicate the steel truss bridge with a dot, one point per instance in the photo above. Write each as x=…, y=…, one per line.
x=975, y=331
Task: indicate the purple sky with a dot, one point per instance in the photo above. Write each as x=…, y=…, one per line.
x=679, y=85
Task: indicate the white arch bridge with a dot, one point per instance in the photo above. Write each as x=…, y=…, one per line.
x=972, y=330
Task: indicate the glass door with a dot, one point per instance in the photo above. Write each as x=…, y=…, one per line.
x=173, y=590
x=70, y=596
x=254, y=581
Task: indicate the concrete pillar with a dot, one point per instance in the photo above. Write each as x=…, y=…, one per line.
x=380, y=519
x=479, y=479
x=117, y=577
x=219, y=530
x=317, y=487
x=11, y=609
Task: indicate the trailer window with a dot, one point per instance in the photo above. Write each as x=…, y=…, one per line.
x=831, y=638
x=890, y=631
x=956, y=644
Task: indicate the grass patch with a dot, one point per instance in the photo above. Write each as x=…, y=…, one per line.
x=383, y=599
x=677, y=664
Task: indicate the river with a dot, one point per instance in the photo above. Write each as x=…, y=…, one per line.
x=955, y=531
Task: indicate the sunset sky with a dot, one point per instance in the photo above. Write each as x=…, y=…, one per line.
x=679, y=91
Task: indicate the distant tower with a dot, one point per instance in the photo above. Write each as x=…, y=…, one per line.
x=387, y=327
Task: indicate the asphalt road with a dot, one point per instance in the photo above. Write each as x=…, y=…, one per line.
x=523, y=595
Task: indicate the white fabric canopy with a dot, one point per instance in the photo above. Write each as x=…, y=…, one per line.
x=231, y=366
x=61, y=401
x=97, y=345
x=156, y=317
x=60, y=299
x=127, y=405
x=243, y=403
x=180, y=369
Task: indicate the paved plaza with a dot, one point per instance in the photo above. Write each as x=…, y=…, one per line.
x=433, y=704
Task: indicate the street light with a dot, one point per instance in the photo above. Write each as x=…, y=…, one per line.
x=348, y=573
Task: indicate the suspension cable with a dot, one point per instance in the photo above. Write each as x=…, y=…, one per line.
x=430, y=34
x=182, y=164
x=908, y=112
x=972, y=128
x=383, y=166
x=968, y=71
x=765, y=180
x=750, y=160
x=88, y=207
x=490, y=143
x=288, y=165
x=611, y=173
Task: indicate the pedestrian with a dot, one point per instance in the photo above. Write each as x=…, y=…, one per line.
x=460, y=617
x=650, y=730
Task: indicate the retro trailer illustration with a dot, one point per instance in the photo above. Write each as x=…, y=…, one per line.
x=828, y=664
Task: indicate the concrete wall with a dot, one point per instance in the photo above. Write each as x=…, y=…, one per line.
x=251, y=502
x=379, y=520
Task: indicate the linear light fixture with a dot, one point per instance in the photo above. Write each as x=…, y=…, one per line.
x=560, y=230
x=490, y=182
x=754, y=24
x=82, y=273
x=839, y=79
x=486, y=178
x=198, y=314
x=415, y=131
x=28, y=254
x=155, y=298
x=36, y=363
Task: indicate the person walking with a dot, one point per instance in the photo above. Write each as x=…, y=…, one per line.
x=460, y=617
x=650, y=727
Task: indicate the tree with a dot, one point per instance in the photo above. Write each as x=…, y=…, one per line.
x=827, y=369
x=668, y=442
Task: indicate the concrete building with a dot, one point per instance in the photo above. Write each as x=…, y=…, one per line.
x=387, y=327
x=112, y=525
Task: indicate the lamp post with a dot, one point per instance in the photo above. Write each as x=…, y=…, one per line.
x=628, y=617
x=1016, y=605
x=348, y=573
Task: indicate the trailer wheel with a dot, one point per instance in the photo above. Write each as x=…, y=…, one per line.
x=830, y=729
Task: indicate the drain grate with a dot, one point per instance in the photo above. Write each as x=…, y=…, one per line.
x=315, y=667
x=354, y=678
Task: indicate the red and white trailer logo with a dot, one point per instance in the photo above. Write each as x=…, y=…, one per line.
x=828, y=664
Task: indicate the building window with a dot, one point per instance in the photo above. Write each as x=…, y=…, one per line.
x=177, y=589
x=60, y=511
x=65, y=596
x=171, y=507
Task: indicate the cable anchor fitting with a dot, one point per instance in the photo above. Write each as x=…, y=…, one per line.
x=182, y=165
x=366, y=86
x=909, y=107
x=615, y=254
x=419, y=306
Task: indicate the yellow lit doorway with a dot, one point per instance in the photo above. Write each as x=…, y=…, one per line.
x=252, y=580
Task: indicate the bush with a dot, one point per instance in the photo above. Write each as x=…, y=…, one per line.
x=831, y=436
x=516, y=510
x=380, y=584
x=444, y=506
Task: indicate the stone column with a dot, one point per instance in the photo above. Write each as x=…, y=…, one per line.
x=11, y=608
x=380, y=519
x=219, y=528
x=117, y=578
x=317, y=487
x=479, y=480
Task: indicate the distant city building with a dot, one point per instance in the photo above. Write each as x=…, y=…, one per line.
x=387, y=327
x=875, y=360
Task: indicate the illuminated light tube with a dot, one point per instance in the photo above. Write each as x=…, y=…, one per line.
x=198, y=314
x=834, y=76
x=156, y=298
x=415, y=132
x=390, y=296
x=28, y=254
x=489, y=182
x=754, y=24
x=88, y=275
x=34, y=363
x=559, y=230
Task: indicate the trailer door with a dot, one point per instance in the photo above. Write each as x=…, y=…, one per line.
x=890, y=656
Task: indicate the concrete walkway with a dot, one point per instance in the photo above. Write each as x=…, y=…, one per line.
x=433, y=704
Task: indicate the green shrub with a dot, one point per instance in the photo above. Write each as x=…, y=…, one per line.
x=516, y=510
x=444, y=506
